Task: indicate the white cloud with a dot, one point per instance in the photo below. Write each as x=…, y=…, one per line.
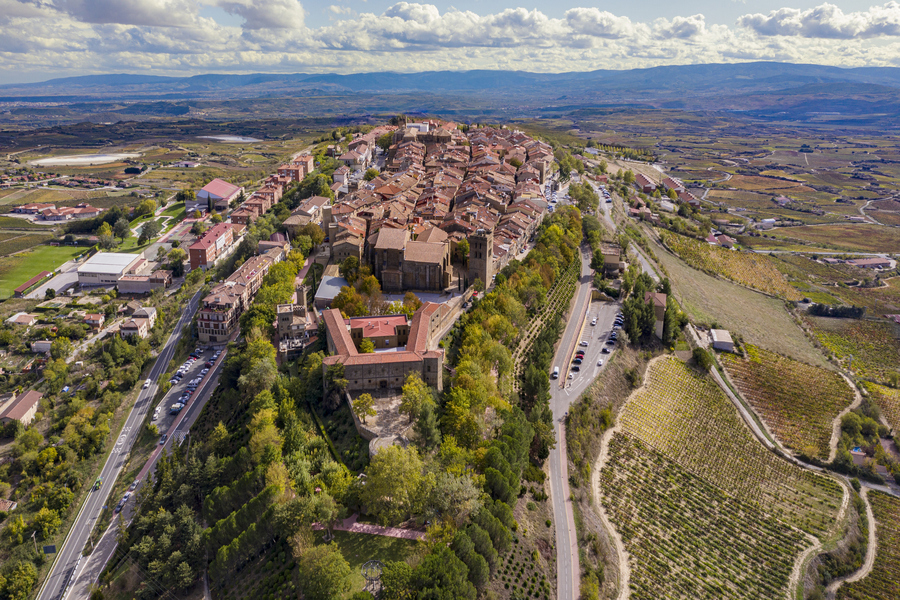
x=170, y=37
x=827, y=21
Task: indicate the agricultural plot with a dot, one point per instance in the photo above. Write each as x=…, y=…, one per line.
x=16, y=270
x=888, y=400
x=797, y=401
x=874, y=348
x=688, y=539
x=753, y=183
x=861, y=237
x=883, y=582
x=689, y=420
x=759, y=319
x=747, y=268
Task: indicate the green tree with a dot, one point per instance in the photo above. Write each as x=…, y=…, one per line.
x=105, y=229
x=315, y=233
x=427, y=430
x=177, y=256
x=366, y=346
x=478, y=284
x=326, y=573
x=394, y=485
x=20, y=580
x=303, y=243
x=364, y=406
x=334, y=378
x=416, y=394
x=370, y=174
x=122, y=228
x=395, y=581
x=461, y=253
x=215, y=217
x=47, y=521
x=149, y=230
x=442, y=576
x=384, y=141
x=61, y=347
x=703, y=359
x=147, y=207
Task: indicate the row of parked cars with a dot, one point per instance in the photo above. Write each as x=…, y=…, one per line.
x=192, y=384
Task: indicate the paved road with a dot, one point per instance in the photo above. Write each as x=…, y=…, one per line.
x=646, y=265
x=91, y=567
x=61, y=574
x=562, y=393
x=67, y=278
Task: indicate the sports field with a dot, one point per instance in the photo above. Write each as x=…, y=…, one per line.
x=16, y=270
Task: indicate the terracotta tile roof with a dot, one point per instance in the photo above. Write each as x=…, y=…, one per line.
x=424, y=252
x=337, y=327
x=392, y=239
x=220, y=188
x=21, y=405
x=378, y=326
x=432, y=235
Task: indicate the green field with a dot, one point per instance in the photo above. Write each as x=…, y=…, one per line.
x=16, y=270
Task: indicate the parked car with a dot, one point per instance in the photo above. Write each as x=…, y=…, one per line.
x=133, y=485
x=594, y=321
x=583, y=343
x=600, y=363
x=577, y=361
x=576, y=368
x=604, y=350
x=162, y=440
x=147, y=384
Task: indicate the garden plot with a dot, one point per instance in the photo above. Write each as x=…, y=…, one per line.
x=798, y=402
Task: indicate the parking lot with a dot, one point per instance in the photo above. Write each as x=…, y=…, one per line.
x=192, y=372
x=597, y=331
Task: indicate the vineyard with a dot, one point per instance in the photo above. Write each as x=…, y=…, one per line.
x=883, y=582
x=753, y=270
x=797, y=401
x=875, y=350
x=888, y=400
x=687, y=418
x=686, y=537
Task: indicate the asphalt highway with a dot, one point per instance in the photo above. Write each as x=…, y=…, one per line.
x=63, y=571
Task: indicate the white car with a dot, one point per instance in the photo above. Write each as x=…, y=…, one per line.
x=147, y=384
x=600, y=363
x=594, y=321
x=585, y=344
x=571, y=375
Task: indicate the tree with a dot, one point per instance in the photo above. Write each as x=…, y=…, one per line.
x=303, y=244
x=366, y=346
x=442, y=576
x=20, y=580
x=185, y=196
x=198, y=228
x=478, y=285
x=122, y=228
x=147, y=207
x=47, y=521
x=334, y=378
x=395, y=580
x=427, y=429
x=703, y=359
x=215, y=217
x=315, y=233
x=104, y=229
x=394, y=485
x=177, y=256
x=326, y=574
x=50, y=294
x=149, y=230
x=416, y=394
x=364, y=406
x=349, y=268
x=384, y=141
x=370, y=174
x=60, y=348
x=462, y=252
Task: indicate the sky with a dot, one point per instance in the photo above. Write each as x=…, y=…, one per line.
x=43, y=39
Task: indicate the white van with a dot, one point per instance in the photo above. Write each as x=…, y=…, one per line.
x=555, y=373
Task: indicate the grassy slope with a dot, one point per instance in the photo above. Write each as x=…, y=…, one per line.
x=760, y=320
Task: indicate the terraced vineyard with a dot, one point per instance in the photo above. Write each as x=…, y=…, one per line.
x=797, y=401
x=888, y=400
x=688, y=419
x=703, y=510
x=753, y=270
x=686, y=537
x=883, y=582
x=872, y=344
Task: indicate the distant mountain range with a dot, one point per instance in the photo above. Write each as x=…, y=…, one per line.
x=766, y=90
x=756, y=76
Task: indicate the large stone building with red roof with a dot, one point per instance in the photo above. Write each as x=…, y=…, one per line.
x=391, y=363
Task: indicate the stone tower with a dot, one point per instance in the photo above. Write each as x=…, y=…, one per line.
x=481, y=256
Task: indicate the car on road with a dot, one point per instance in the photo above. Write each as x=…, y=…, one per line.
x=600, y=363
x=204, y=371
x=555, y=374
x=584, y=343
x=176, y=408
x=594, y=321
x=577, y=361
x=147, y=384
x=134, y=485
x=576, y=368
x=571, y=375
x=98, y=483
x=610, y=342
x=162, y=440
x=605, y=350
